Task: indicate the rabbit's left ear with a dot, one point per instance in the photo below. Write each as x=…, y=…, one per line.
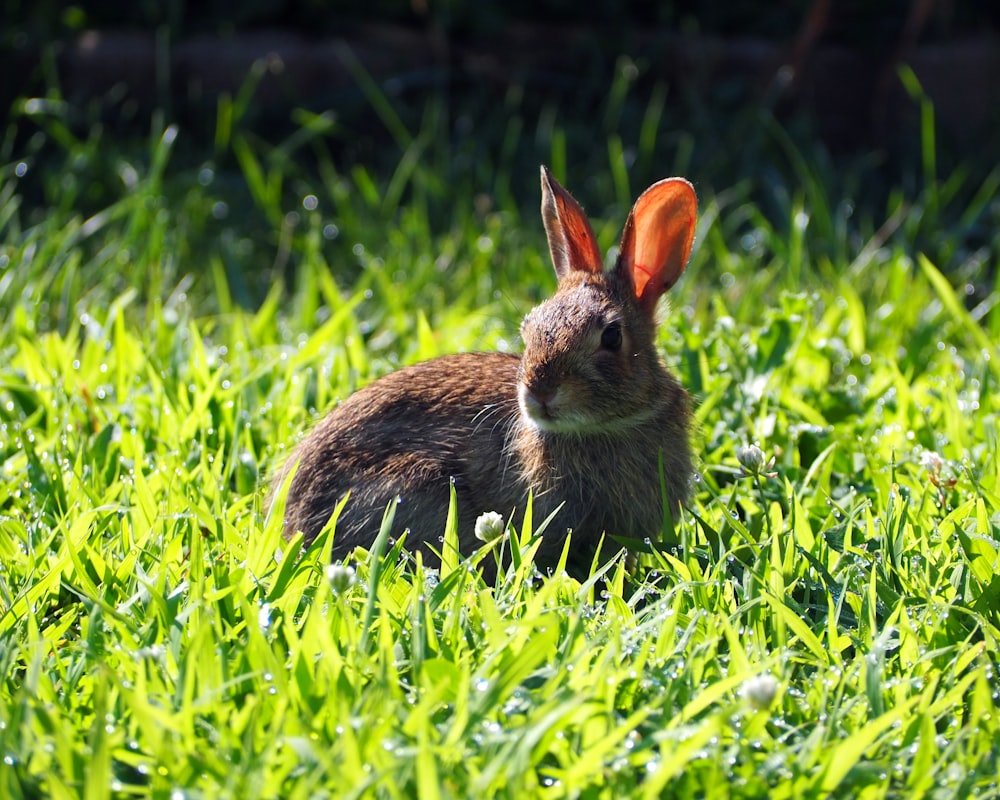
x=657, y=239
x=571, y=239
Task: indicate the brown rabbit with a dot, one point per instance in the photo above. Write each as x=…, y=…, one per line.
x=581, y=419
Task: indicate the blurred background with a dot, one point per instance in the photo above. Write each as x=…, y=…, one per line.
x=877, y=121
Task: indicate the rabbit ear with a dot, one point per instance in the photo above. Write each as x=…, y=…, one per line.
x=657, y=239
x=571, y=239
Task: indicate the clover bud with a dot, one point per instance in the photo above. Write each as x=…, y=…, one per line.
x=751, y=458
x=754, y=462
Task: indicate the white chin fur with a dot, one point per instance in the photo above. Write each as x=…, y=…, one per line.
x=549, y=425
x=559, y=420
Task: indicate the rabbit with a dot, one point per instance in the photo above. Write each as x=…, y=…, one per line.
x=581, y=420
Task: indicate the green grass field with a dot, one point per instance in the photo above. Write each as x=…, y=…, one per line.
x=169, y=325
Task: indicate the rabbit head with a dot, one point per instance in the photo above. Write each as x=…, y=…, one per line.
x=590, y=364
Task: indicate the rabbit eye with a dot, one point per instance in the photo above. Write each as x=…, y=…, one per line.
x=611, y=337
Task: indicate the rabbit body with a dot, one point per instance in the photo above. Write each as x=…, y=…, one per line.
x=407, y=435
x=582, y=420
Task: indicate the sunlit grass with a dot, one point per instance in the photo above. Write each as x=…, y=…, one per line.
x=827, y=625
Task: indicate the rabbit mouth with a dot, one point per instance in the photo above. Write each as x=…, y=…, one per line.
x=542, y=410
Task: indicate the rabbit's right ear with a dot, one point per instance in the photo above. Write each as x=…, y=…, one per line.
x=571, y=239
x=657, y=240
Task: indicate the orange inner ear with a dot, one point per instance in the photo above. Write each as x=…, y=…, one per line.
x=658, y=237
x=582, y=244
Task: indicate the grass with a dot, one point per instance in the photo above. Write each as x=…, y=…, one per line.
x=825, y=625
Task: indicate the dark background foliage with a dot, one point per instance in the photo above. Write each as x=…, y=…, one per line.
x=860, y=112
x=717, y=57
x=855, y=23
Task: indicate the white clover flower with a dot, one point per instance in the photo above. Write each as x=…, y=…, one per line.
x=760, y=691
x=490, y=526
x=931, y=461
x=341, y=577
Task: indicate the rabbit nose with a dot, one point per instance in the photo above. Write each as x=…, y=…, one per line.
x=542, y=395
x=540, y=385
